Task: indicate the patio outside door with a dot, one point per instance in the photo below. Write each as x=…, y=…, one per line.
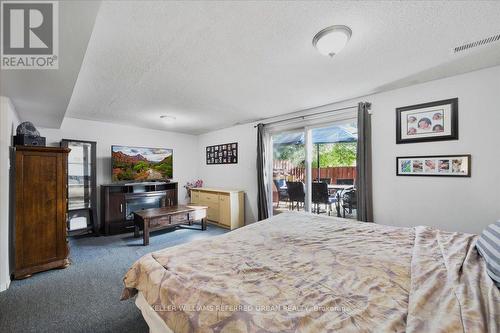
x=333, y=169
x=326, y=156
x=289, y=171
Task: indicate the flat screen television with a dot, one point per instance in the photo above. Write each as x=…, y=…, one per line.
x=141, y=164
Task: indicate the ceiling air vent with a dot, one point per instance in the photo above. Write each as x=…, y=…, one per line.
x=481, y=42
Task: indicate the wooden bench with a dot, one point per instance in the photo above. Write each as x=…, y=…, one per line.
x=167, y=217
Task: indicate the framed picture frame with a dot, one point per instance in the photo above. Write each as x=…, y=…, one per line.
x=434, y=166
x=226, y=153
x=434, y=121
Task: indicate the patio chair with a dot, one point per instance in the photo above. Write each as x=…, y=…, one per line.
x=320, y=195
x=282, y=192
x=296, y=193
x=349, y=201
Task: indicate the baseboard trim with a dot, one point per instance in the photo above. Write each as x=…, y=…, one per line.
x=4, y=286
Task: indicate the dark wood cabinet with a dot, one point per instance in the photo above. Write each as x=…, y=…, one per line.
x=115, y=212
x=40, y=209
x=118, y=201
x=171, y=197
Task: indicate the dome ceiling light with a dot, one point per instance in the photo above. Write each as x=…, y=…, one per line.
x=330, y=41
x=167, y=118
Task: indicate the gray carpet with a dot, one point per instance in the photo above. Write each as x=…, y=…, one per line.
x=85, y=297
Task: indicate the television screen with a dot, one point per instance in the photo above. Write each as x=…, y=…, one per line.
x=141, y=164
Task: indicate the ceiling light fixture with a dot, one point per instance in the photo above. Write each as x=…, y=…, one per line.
x=330, y=41
x=167, y=118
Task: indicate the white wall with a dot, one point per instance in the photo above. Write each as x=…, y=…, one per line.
x=241, y=176
x=8, y=123
x=108, y=134
x=457, y=204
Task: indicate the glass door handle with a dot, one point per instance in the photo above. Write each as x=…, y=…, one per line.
x=121, y=208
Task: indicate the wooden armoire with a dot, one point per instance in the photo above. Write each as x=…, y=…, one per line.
x=40, y=209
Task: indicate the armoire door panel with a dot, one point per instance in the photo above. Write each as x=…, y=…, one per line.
x=41, y=206
x=40, y=209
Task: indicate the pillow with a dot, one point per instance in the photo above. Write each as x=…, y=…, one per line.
x=488, y=246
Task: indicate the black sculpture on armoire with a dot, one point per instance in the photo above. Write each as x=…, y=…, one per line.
x=82, y=187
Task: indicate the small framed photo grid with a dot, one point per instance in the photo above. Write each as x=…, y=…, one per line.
x=436, y=166
x=222, y=154
x=434, y=121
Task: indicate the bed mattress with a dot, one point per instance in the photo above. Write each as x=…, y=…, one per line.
x=305, y=273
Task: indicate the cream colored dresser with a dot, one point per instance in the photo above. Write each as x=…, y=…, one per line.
x=226, y=208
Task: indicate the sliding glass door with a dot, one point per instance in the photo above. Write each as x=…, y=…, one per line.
x=314, y=169
x=333, y=169
x=289, y=171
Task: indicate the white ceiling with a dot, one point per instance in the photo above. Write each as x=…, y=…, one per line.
x=213, y=64
x=42, y=96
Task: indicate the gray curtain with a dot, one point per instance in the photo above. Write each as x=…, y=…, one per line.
x=261, y=174
x=364, y=165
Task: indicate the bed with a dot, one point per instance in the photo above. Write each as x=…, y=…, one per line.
x=304, y=273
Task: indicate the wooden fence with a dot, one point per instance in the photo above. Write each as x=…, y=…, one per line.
x=286, y=170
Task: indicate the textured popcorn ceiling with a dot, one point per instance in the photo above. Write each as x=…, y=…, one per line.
x=213, y=64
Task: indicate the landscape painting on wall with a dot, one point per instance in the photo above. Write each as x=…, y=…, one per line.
x=141, y=164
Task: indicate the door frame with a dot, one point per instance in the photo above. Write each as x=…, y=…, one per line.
x=308, y=146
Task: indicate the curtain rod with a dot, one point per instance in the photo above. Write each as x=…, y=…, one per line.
x=309, y=115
